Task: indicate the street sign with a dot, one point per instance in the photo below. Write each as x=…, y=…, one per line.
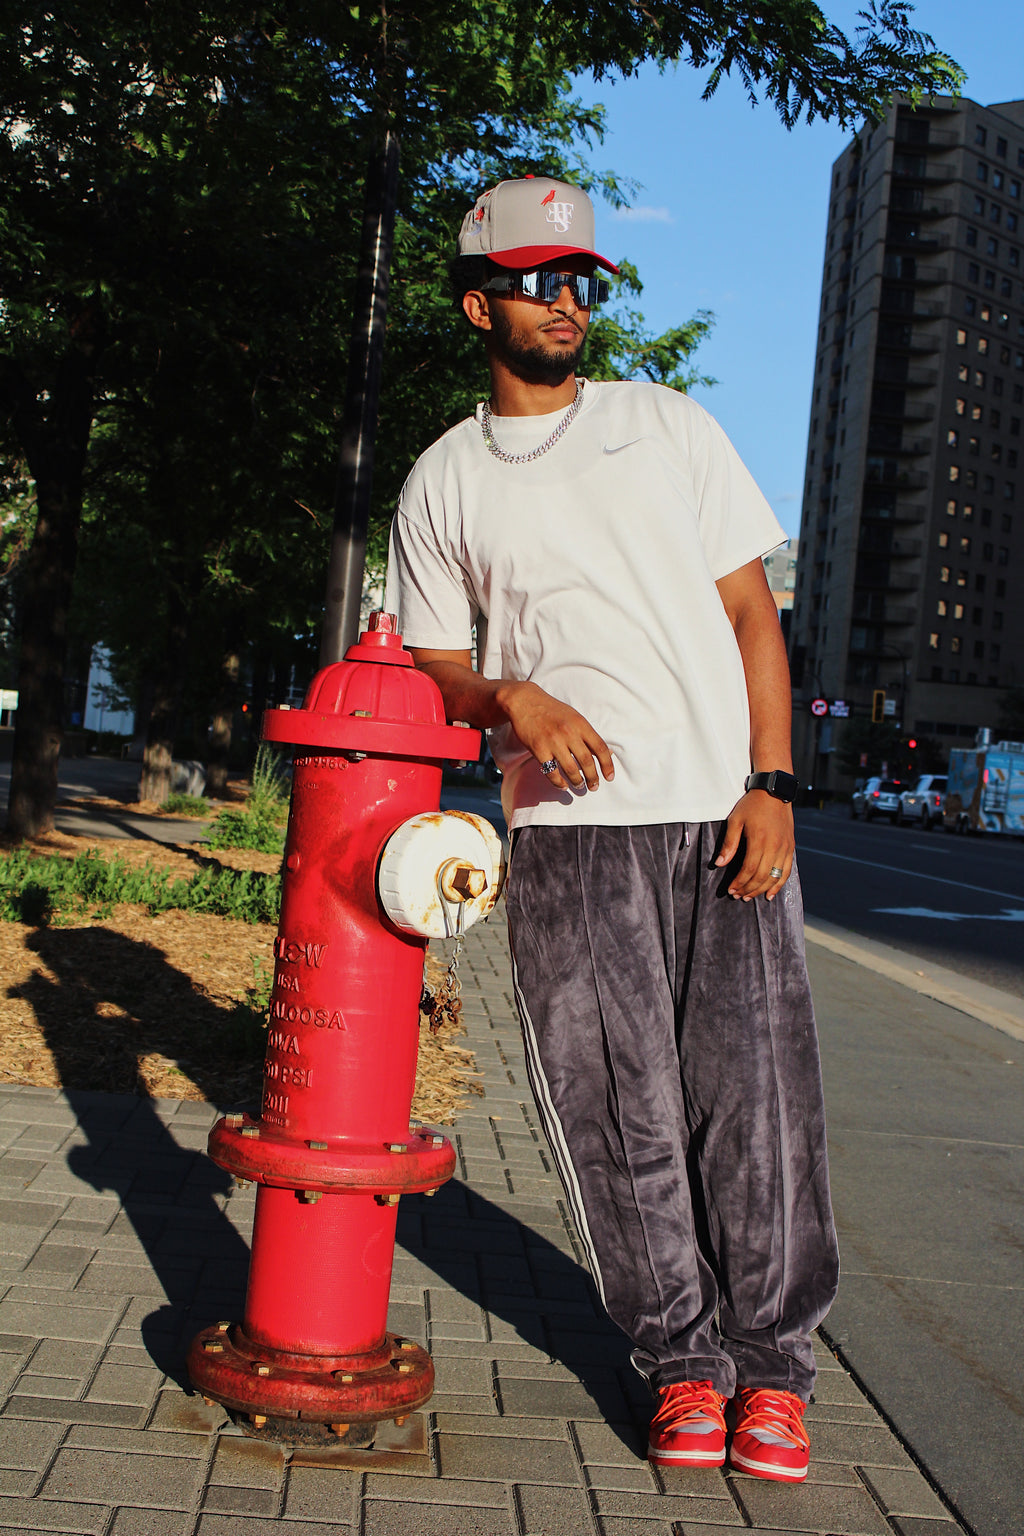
x=889, y=707
x=839, y=709
x=819, y=706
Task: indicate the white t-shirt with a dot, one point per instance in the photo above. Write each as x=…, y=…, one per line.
x=591, y=572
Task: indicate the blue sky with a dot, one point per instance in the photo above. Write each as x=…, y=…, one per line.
x=731, y=217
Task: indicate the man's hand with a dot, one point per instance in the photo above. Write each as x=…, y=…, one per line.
x=553, y=730
x=546, y=727
x=767, y=826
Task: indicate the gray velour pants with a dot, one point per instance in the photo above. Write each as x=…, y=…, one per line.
x=672, y=1051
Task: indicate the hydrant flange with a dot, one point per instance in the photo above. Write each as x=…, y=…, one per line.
x=426, y=1160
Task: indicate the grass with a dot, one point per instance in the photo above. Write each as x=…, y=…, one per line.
x=259, y=824
x=41, y=888
x=187, y=805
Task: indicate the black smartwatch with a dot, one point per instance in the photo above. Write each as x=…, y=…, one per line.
x=781, y=786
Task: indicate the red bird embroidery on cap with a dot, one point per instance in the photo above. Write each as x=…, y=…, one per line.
x=549, y=199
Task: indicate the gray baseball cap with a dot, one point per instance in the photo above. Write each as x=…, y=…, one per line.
x=528, y=222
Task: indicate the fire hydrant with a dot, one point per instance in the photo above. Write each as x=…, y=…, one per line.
x=372, y=868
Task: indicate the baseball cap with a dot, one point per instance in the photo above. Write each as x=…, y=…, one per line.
x=527, y=222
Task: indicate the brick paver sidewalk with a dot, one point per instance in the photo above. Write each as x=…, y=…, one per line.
x=120, y=1239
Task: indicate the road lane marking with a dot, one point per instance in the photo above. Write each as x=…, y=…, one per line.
x=1006, y=916
x=895, y=869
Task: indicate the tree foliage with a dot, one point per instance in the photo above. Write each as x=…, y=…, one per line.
x=179, y=212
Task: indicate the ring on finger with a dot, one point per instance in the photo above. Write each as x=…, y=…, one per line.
x=551, y=766
x=775, y=872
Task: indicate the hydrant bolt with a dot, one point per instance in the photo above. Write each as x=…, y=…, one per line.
x=397, y=1146
x=234, y=1119
x=250, y=1130
x=343, y=1376
x=262, y=1370
x=311, y=1196
x=223, y=1327
x=212, y=1347
x=317, y=1146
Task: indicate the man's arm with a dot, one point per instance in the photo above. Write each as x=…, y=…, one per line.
x=765, y=823
x=546, y=727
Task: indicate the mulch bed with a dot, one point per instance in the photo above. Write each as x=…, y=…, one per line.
x=129, y=1002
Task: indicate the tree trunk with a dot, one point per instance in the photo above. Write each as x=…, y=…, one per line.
x=55, y=439
x=167, y=687
x=223, y=717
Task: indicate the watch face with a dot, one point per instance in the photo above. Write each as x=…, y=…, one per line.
x=784, y=786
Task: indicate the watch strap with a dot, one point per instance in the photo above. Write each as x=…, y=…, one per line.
x=779, y=784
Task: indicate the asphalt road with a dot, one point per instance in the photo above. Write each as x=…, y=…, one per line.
x=958, y=901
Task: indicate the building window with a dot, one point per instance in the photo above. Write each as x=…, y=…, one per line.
x=961, y=578
x=1015, y=426
x=1011, y=458
x=1005, y=288
x=1015, y=189
x=954, y=644
x=997, y=620
x=958, y=610
x=951, y=508
x=976, y=409
x=979, y=378
x=961, y=336
x=1011, y=222
x=979, y=206
x=965, y=549
x=968, y=511
x=997, y=180
x=983, y=345
x=960, y=406
x=974, y=447
x=976, y=616
x=980, y=135
x=1001, y=148
x=996, y=453
x=954, y=473
x=944, y=574
x=941, y=607
x=1009, y=491
x=971, y=479
x=952, y=441
x=933, y=640
x=995, y=213
x=963, y=373
x=988, y=551
x=981, y=171
x=986, y=517
x=1013, y=256
x=997, y=383
x=944, y=541
x=970, y=305
x=979, y=650
x=971, y=237
x=991, y=246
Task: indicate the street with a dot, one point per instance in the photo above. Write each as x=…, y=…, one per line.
x=958, y=901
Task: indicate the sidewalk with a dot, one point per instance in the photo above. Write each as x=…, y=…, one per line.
x=120, y=1239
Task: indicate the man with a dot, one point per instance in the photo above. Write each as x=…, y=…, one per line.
x=606, y=541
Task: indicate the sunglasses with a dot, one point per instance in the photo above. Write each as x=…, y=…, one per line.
x=546, y=286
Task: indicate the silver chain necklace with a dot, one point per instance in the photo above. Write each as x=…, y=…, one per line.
x=535, y=453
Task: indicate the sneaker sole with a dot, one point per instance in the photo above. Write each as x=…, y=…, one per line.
x=768, y=1469
x=687, y=1458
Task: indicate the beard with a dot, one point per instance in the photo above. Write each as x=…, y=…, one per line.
x=533, y=360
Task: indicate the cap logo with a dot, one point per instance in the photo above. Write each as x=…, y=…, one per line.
x=558, y=214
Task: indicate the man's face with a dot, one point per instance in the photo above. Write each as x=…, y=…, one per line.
x=541, y=342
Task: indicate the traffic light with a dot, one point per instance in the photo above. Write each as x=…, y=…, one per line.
x=878, y=706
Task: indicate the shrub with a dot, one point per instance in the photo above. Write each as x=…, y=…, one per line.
x=186, y=805
x=37, y=888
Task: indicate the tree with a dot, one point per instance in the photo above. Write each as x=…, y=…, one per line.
x=177, y=194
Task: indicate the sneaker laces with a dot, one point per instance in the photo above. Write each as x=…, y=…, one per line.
x=774, y=1418
x=693, y=1407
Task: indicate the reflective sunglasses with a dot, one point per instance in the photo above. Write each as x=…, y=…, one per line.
x=546, y=286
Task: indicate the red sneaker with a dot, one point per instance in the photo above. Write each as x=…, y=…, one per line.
x=688, y=1427
x=770, y=1439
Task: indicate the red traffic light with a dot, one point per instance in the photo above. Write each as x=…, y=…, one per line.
x=912, y=743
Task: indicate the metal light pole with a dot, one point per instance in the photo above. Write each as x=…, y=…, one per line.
x=362, y=398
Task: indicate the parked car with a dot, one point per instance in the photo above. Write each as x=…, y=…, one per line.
x=926, y=802
x=879, y=797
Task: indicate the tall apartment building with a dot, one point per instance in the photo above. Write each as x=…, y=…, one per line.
x=912, y=530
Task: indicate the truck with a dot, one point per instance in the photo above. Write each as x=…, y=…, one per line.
x=985, y=790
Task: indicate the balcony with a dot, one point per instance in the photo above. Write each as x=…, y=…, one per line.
x=899, y=616
x=891, y=473
x=915, y=447
x=925, y=273
x=914, y=168
x=906, y=549
x=938, y=138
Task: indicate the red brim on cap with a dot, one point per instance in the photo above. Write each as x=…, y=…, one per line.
x=526, y=257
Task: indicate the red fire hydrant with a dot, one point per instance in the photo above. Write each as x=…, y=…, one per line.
x=372, y=868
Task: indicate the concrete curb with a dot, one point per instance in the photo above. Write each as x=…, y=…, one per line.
x=988, y=1004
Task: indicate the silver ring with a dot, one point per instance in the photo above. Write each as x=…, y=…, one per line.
x=776, y=873
x=551, y=766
